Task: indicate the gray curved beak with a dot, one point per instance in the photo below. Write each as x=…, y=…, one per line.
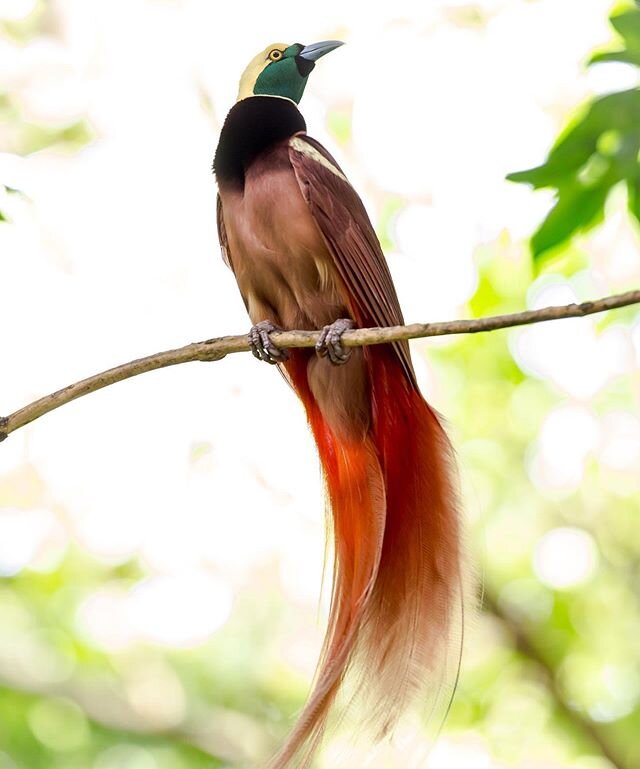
x=314, y=51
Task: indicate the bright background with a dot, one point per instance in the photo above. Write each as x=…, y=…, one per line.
x=161, y=542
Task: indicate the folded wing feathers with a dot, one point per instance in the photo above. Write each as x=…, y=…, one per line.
x=350, y=238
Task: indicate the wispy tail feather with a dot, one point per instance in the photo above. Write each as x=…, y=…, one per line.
x=407, y=627
x=396, y=556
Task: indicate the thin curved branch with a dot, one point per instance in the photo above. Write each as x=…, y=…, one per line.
x=215, y=349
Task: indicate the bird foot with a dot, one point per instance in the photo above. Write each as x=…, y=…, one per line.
x=261, y=345
x=330, y=344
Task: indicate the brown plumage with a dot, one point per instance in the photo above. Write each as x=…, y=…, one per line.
x=304, y=253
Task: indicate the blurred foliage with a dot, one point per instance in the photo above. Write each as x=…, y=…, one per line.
x=5, y=190
x=19, y=134
x=579, y=632
x=26, y=27
x=22, y=137
x=67, y=700
x=597, y=151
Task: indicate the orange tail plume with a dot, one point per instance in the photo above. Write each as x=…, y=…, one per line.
x=408, y=621
x=396, y=555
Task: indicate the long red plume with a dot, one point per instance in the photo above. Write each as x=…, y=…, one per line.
x=396, y=554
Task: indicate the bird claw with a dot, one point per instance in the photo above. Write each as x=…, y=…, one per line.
x=330, y=342
x=261, y=345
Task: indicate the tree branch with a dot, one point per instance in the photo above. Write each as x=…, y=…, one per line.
x=215, y=349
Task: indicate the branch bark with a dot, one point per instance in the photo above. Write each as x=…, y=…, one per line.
x=216, y=349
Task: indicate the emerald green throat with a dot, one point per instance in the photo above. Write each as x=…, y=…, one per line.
x=286, y=77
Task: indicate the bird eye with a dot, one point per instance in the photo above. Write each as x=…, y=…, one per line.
x=275, y=54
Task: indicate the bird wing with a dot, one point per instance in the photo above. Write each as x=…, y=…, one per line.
x=350, y=238
x=222, y=234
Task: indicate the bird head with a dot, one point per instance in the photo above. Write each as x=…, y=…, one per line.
x=282, y=70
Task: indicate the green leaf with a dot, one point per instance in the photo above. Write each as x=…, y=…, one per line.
x=616, y=111
x=613, y=112
x=577, y=209
x=625, y=57
x=570, y=153
x=633, y=196
x=597, y=150
x=627, y=25
x=575, y=146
